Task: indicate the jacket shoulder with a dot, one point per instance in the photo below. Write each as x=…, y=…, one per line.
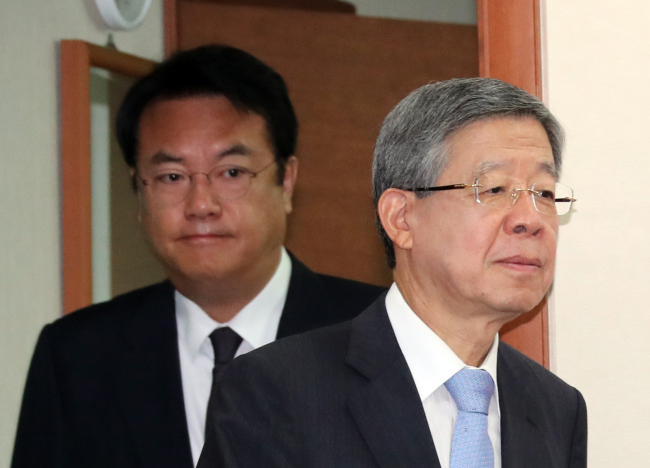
x=348, y=286
x=351, y=295
x=313, y=359
x=538, y=379
x=557, y=409
x=308, y=350
x=316, y=300
x=107, y=317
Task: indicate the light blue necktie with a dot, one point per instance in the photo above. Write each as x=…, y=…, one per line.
x=471, y=389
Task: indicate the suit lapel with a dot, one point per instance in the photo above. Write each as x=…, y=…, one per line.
x=147, y=375
x=386, y=406
x=523, y=442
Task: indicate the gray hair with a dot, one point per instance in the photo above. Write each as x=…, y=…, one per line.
x=411, y=151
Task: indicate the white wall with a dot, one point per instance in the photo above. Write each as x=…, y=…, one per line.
x=30, y=284
x=598, y=68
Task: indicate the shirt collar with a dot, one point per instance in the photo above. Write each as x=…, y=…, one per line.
x=430, y=360
x=257, y=323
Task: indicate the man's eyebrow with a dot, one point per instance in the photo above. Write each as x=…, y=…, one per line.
x=235, y=150
x=550, y=169
x=486, y=167
x=161, y=158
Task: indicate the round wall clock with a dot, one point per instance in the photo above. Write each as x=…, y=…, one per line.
x=123, y=14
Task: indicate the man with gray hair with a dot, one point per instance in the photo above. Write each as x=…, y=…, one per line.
x=465, y=185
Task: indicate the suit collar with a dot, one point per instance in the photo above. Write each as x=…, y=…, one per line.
x=389, y=413
x=386, y=407
x=307, y=303
x=148, y=381
x=431, y=361
x=523, y=441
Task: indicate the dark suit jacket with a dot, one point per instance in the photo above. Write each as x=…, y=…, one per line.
x=343, y=396
x=104, y=388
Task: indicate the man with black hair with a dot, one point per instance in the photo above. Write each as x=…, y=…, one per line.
x=210, y=137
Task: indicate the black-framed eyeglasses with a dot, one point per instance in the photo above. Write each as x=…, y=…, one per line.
x=551, y=198
x=227, y=181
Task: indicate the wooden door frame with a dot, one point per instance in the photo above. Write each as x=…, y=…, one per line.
x=510, y=42
x=77, y=57
x=510, y=49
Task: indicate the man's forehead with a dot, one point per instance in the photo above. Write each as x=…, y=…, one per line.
x=237, y=149
x=487, y=167
x=501, y=144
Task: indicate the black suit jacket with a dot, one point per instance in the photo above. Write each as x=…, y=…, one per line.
x=104, y=388
x=343, y=396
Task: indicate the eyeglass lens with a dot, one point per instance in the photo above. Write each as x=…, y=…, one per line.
x=228, y=182
x=549, y=197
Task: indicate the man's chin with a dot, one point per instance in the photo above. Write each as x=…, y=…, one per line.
x=207, y=274
x=198, y=271
x=515, y=306
x=518, y=297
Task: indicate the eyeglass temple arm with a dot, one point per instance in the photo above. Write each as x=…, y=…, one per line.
x=461, y=186
x=439, y=188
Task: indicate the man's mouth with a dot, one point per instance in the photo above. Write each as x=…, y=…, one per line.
x=520, y=263
x=205, y=236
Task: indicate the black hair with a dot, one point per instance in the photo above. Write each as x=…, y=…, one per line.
x=213, y=70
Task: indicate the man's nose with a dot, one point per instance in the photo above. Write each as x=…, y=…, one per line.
x=202, y=200
x=523, y=218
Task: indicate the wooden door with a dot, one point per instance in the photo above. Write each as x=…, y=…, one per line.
x=345, y=73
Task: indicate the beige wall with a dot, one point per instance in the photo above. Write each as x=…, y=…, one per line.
x=30, y=285
x=598, y=68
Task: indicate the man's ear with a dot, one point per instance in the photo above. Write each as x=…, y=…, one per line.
x=289, y=182
x=392, y=208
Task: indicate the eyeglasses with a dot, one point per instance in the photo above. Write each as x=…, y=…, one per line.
x=228, y=182
x=551, y=198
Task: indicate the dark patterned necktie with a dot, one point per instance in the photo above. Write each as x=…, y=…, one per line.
x=225, y=343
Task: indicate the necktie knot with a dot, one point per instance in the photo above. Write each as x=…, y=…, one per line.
x=472, y=390
x=225, y=343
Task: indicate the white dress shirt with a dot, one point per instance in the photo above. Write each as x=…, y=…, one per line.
x=257, y=323
x=432, y=363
